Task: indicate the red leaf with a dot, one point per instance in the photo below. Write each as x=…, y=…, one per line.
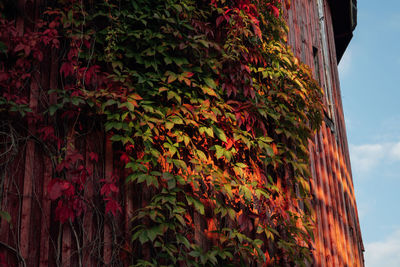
x=94, y=156
x=56, y=43
x=4, y=76
x=257, y=31
x=129, y=148
x=47, y=133
x=114, y=188
x=112, y=206
x=63, y=212
x=108, y=188
x=171, y=78
x=275, y=11
x=19, y=47
x=105, y=190
x=219, y=20
x=62, y=165
x=78, y=206
x=67, y=69
x=38, y=55
x=275, y=149
x=86, y=43
x=189, y=74
x=125, y=158
x=72, y=53
x=3, y=262
x=27, y=50
x=91, y=72
x=53, y=24
x=56, y=187
x=229, y=143
x=69, y=191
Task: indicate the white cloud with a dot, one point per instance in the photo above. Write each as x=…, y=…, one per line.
x=384, y=253
x=367, y=157
x=395, y=151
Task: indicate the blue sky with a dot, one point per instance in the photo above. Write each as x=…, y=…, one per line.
x=370, y=83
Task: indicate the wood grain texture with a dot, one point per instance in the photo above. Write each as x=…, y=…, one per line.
x=38, y=240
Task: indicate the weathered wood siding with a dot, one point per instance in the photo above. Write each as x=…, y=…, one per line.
x=338, y=239
x=34, y=239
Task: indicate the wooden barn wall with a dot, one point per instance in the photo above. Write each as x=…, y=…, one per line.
x=338, y=239
x=34, y=239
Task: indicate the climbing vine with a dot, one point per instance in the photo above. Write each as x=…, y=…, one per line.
x=207, y=109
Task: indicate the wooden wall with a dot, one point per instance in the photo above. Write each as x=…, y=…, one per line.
x=338, y=239
x=34, y=239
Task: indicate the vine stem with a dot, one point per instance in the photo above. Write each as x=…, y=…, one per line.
x=77, y=244
x=16, y=252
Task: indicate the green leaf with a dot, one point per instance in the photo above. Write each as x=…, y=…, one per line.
x=210, y=82
x=171, y=184
x=180, y=164
x=143, y=238
x=3, y=47
x=219, y=151
x=219, y=133
x=270, y=151
x=176, y=120
x=186, y=140
x=116, y=138
x=154, y=232
x=171, y=77
x=180, y=180
x=183, y=240
x=245, y=191
x=169, y=125
x=5, y=216
x=152, y=180
x=131, y=178
x=167, y=176
x=196, y=203
x=208, y=91
x=53, y=109
x=241, y=165
x=231, y=213
x=201, y=155
x=77, y=100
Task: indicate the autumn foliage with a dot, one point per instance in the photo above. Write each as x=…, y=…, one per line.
x=208, y=112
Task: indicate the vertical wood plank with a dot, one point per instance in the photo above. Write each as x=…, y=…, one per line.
x=108, y=173
x=323, y=199
x=319, y=254
x=343, y=216
x=28, y=175
x=67, y=238
x=46, y=203
x=88, y=225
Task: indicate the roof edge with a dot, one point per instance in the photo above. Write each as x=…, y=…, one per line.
x=344, y=19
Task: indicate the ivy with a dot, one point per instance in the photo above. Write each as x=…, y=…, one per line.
x=209, y=109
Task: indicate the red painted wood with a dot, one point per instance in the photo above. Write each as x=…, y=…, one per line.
x=319, y=255
x=28, y=178
x=323, y=198
x=66, y=244
x=88, y=216
x=107, y=250
x=46, y=204
x=334, y=170
x=40, y=241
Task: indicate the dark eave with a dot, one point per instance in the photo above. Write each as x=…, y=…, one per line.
x=344, y=18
